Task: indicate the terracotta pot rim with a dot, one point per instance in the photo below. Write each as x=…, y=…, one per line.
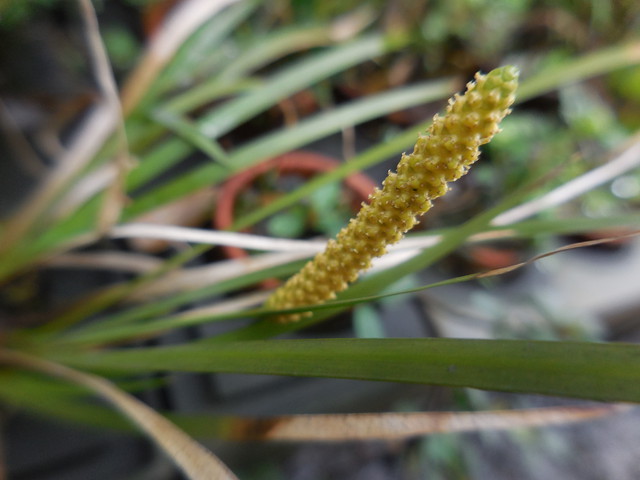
x=300, y=162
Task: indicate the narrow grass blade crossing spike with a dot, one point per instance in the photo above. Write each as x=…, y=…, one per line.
x=444, y=155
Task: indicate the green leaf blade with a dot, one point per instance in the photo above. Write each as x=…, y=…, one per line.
x=596, y=371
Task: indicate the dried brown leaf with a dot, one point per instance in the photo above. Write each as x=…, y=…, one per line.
x=392, y=426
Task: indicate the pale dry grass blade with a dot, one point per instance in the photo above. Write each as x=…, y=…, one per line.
x=197, y=277
x=285, y=251
x=220, y=308
x=245, y=240
x=181, y=23
x=85, y=188
x=115, y=196
x=214, y=237
x=394, y=426
x=192, y=210
x=192, y=458
x=624, y=162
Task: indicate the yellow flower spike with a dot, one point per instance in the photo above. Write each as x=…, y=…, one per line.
x=445, y=154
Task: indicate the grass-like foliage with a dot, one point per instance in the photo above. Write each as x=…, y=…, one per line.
x=189, y=116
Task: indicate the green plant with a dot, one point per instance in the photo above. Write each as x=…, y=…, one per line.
x=325, y=214
x=443, y=155
x=117, y=155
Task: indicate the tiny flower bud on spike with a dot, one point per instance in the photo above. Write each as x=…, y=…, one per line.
x=450, y=147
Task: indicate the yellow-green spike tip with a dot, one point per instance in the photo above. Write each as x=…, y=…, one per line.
x=443, y=155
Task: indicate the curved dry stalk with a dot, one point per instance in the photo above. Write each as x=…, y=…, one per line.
x=115, y=194
x=191, y=457
x=394, y=426
x=589, y=243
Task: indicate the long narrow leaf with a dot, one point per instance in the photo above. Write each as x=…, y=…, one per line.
x=165, y=305
x=260, y=52
x=101, y=333
x=590, y=65
x=597, y=371
x=301, y=134
x=296, y=77
x=361, y=161
x=26, y=393
x=334, y=121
